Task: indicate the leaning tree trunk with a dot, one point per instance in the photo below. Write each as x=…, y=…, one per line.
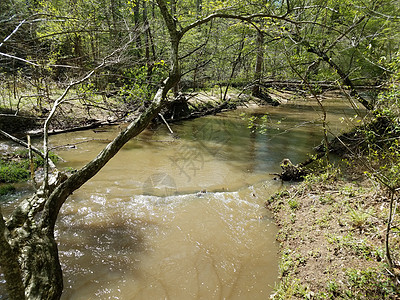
x=34, y=268
x=29, y=232
x=345, y=77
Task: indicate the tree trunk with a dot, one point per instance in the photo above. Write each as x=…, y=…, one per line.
x=136, y=17
x=256, y=91
x=31, y=251
x=33, y=238
x=9, y=263
x=345, y=77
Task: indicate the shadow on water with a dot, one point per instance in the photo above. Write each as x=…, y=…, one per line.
x=95, y=254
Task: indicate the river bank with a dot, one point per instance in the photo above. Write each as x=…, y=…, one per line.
x=326, y=222
x=332, y=236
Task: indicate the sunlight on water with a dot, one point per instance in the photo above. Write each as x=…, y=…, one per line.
x=197, y=246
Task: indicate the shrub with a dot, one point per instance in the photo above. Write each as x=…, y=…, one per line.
x=13, y=173
x=6, y=189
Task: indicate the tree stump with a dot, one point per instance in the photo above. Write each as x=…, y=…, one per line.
x=291, y=171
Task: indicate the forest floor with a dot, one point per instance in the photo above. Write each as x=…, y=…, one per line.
x=332, y=236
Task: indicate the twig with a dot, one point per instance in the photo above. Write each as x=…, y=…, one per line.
x=12, y=33
x=22, y=143
x=169, y=128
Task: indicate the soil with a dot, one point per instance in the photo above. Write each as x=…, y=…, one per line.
x=332, y=235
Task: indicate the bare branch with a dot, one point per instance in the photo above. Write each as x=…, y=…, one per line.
x=347, y=31
x=58, y=102
x=12, y=33
x=22, y=143
x=18, y=58
x=377, y=13
x=314, y=6
x=231, y=16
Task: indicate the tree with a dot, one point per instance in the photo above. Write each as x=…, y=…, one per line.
x=29, y=231
x=338, y=34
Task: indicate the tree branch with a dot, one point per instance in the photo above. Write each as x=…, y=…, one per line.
x=75, y=181
x=56, y=104
x=22, y=143
x=231, y=16
x=12, y=33
x=18, y=58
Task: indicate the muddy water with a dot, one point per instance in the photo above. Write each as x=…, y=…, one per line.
x=182, y=216
x=171, y=218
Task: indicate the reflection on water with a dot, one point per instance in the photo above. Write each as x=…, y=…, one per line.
x=181, y=217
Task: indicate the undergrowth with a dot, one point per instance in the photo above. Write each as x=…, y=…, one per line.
x=16, y=167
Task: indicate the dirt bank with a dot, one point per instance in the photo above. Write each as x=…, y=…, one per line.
x=332, y=233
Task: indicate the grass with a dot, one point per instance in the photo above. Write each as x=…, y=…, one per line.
x=12, y=172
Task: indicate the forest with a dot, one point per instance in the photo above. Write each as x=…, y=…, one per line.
x=66, y=66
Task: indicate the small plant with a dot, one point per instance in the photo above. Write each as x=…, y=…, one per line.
x=333, y=288
x=326, y=199
x=370, y=284
x=359, y=218
x=278, y=196
x=349, y=191
x=293, y=203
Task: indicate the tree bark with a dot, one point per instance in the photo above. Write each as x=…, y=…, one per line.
x=256, y=91
x=9, y=263
x=345, y=77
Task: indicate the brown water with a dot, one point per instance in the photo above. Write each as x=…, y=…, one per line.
x=181, y=218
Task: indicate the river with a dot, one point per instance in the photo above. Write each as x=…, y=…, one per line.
x=182, y=216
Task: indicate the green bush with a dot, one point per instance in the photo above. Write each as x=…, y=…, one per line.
x=6, y=189
x=18, y=169
x=13, y=173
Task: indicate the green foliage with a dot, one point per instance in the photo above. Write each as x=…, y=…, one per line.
x=6, y=189
x=360, y=218
x=136, y=87
x=220, y=52
x=359, y=247
x=263, y=124
x=12, y=173
x=369, y=284
x=293, y=203
x=278, y=197
x=289, y=287
x=382, y=139
x=329, y=174
x=17, y=168
x=290, y=261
